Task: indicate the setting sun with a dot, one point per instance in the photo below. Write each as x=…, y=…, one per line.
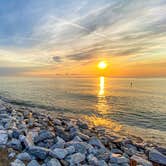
x=102, y=65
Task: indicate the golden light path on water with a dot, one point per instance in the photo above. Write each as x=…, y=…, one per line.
x=102, y=109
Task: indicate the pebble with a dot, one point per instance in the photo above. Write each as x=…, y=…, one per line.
x=59, y=153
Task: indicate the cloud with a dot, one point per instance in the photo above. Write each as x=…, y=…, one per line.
x=57, y=58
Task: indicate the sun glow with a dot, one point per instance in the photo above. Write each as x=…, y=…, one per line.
x=102, y=65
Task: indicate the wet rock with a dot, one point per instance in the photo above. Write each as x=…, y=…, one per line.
x=43, y=135
x=59, y=153
x=53, y=162
x=70, y=150
x=60, y=143
x=3, y=137
x=24, y=156
x=76, y=158
x=38, y=152
x=15, y=134
x=157, y=157
x=15, y=144
x=61, y=133
x=17, y=162
x=95, y=142
x=81, y=124
x=117, y=159
x=140, y=161
x=33, y=163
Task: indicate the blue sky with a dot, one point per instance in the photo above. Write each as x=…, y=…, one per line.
x=57, y=34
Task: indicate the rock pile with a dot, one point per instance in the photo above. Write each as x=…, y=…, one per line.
x=35, y=139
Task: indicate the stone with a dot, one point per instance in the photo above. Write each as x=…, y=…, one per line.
x=117, y=151
x=53, y=162
x=57, y=122
x=43, y=135
x=60, y=143
x=11, y=155
x=117, y=159
x=59, y=153
x=70, y=150
x=26, y=141
x=38, y=152
x=17, y=162
x=76, y=158
x=15, y=134
x=81, y=124
x=3, y=137
x=96, y=142
x=24, y=156
x=156, y=156
x=141, y=161
x=61, y=133
x=15, y=144
x=33, y=163
x=92, y=160
x=77, y=139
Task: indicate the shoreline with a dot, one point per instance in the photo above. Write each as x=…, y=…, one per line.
x=38, y=138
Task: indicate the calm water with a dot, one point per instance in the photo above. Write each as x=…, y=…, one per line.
x=139, y=109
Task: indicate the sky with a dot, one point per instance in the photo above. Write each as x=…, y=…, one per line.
x=70, y=37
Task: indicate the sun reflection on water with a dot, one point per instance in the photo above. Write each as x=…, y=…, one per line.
x=103, y=109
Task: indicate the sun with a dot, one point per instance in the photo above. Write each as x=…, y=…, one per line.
x=102, y=65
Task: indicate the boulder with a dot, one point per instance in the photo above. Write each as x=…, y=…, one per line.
x=3, y=137
x=59, y=153
x=15, y=144
x=76, y=158
x=24, y=156
x=33, y=163
x=17, y=162
x=140, y=161
x=156, y=156
x=53, y=162
x=38, y=152
x=43, y=135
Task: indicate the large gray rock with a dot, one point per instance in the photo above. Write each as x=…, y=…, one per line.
x=96, y=142
x=59, y=153
x=24, y=156
x=141, y=161
x=76, y=158
x=3, y=137
x=43, y=135
x=53, y=162
x=17, y=162
x=116, y=159
x=33, y=163
x=15, y=144
x=60, y=143
x=60, y=131
x=70, y=150
x=38, y=152
x=157, y=157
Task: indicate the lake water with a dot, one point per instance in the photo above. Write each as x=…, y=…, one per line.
x=138, y=109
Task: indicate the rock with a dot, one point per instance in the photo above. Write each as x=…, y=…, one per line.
x=96, y=142
x=59, y=153
x=57, y=122
x=117, y=151
x=70, y=150
x=92, y=160
x=11, y=155
x=15, y=144
x=81, y=124
x=38, y=152
x=157, y=157
x=43, y=135
x=60, y=143
x=24, y=156
x=26, y=141
x=53, y=162
x=77, y=139
x=15, y=134
x=3, y=137
x=33, y=163
x=76, y=158
x=117, y=159
x=61, y=133
x=17, y=162
x=140, y=161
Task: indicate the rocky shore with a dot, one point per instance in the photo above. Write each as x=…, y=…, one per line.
x=37, y=139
